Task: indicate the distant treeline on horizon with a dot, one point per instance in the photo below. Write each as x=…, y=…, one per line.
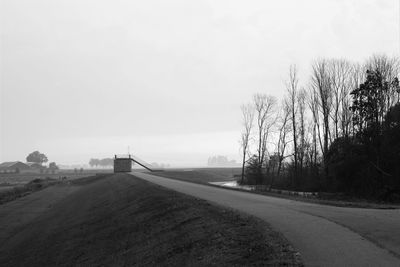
x=106, y=162
x=221, y=161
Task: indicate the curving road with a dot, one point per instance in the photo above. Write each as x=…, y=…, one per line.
x=324, y=235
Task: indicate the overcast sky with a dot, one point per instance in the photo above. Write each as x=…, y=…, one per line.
x=82, y=79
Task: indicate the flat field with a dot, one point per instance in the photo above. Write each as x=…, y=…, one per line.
x=201, y=175
x=14, y=179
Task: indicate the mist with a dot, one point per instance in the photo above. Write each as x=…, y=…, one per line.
x=82, y=79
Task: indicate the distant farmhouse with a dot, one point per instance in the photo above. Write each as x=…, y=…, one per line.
x=13, y=166
x=34, y=165
x=18, y=166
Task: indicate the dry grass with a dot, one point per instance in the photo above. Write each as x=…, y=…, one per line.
x=200, y=175
x=14, y=192
x=123, y=221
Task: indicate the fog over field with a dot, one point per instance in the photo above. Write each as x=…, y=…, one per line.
x=82, y=79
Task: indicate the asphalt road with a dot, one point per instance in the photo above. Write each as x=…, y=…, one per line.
x=324, y=235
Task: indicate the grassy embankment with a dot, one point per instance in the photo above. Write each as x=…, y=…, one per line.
x=16, y=185
x=13, y=192
x=123, y=221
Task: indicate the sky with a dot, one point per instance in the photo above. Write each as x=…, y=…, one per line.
x=84, y=79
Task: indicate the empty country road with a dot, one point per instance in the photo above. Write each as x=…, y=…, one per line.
x=324, y=235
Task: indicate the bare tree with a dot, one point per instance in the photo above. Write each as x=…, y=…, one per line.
x=265, y=112
x=301, y=102
x=340, y=83
x=320, y=81
x=247, y=120
x=292, y=89
x=284, y=130
x=313, y=104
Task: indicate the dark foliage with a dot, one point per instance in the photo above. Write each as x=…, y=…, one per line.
x=367, y=164
x=254, y=171
x=391, y=151
x=36, y=157
x=348, y=164
x=106, y=162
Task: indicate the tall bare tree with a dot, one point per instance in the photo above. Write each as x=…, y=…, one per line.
x=247, y=121
x=292, y=89
x=340, y=83
x=283, y=132
x=313, y=104
x=265, y=114
x=301, y=103
x=321, y=83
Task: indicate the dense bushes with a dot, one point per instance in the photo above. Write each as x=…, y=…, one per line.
x=357, y=167
x=254, y=172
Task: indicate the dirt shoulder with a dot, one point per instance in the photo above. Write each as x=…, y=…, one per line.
x=200, y=177
x=123, y=221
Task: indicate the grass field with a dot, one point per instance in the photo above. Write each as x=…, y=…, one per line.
x=201, y=175
x=16, y=185
x=10, y=193
x=14, y=179
x=119, y=220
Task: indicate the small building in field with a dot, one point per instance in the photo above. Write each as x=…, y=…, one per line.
x=122, y=164
x=13, y=166
x=34, y=165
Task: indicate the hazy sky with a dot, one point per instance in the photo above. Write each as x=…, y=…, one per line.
x=82, y=79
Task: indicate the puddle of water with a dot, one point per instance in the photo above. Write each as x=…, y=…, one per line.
x=234, y=184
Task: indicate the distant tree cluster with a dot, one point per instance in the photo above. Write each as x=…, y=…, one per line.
x=106, y=162
x=36, y=157
x=40, y=158
x=220, y=161
x=339, y=131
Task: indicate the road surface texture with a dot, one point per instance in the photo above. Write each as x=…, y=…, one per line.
x=324, y=235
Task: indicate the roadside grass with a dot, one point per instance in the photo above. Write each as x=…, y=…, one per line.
x=15, y=191
x=34, y=185
x=196, y=175
x=23, y=178
x=201, y=176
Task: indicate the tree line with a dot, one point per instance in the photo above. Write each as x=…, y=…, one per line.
x=338, y=131
x=218, y=161
x=106, y=162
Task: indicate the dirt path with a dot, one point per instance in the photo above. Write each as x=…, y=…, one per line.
x=119, y=220
x=324, y=235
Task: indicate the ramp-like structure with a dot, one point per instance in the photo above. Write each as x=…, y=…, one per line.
x=124, y=164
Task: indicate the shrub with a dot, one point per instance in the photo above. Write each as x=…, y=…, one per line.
x=254, y=173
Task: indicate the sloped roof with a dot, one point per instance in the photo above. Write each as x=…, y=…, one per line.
x=30, y=164
x=9, y=164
